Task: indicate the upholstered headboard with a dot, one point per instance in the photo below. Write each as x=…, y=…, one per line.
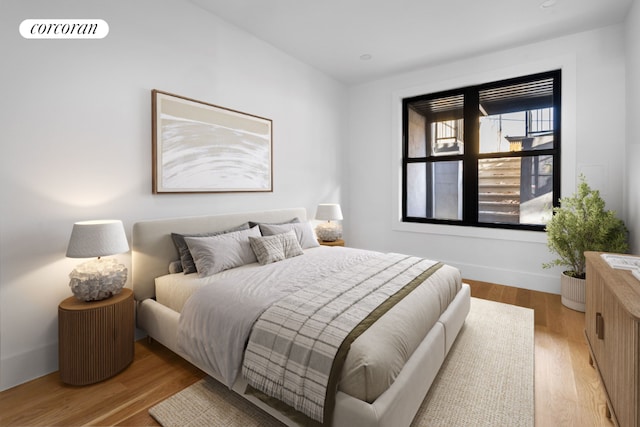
x=153, y=248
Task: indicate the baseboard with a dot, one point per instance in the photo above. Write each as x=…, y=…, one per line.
x=522, y=279
x=24, y=367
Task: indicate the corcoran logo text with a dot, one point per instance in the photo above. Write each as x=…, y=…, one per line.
x=64, y=29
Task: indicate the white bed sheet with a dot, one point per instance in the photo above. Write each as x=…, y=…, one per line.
x=173, y=290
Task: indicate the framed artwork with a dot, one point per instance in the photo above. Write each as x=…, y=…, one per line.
x=204, y=148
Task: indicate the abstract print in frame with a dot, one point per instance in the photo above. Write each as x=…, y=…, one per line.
x=204, y=148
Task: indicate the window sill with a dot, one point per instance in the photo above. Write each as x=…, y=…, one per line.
x=471, y=232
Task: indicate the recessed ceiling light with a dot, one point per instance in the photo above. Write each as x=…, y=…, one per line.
x=548, y=4
x=366, y=56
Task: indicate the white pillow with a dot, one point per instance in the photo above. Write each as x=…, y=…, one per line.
x=275, y=248
x=213, y=254
x=303, y=230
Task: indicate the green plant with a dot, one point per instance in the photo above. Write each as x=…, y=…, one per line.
x=581, y=224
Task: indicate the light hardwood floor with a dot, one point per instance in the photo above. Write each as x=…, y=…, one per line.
x=567, y=389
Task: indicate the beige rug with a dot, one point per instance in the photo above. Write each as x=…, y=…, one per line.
x=486, y=380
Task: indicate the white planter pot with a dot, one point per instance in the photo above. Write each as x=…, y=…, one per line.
x=572, y=290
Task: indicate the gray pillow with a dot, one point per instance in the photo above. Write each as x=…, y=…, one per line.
x=188, y=266
x=275, y=248
x=303, y=230
x=292, y=220
x=213, y=254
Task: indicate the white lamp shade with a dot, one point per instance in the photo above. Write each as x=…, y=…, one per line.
x=329, y=212
x=97, y=238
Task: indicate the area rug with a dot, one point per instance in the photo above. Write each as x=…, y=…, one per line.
x=486, y=380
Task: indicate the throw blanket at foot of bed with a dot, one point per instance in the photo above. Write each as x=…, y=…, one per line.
x=298, y=345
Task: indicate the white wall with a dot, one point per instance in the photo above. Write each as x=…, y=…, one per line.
x=593, y=142
x=76, y=144
x=76, y=141
x=632, y=194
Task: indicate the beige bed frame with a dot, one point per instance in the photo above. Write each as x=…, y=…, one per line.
x=153, y=249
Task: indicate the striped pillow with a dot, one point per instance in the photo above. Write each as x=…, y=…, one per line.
x=275, y=248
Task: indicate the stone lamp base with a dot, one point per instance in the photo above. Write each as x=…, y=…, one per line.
x=97, y=279
x=328, y=231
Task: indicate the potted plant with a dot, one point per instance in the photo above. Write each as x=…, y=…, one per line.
x=581, y=224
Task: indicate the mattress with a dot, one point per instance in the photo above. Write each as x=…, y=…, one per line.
x=378, y=355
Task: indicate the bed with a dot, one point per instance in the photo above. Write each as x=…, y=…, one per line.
x=164, y=310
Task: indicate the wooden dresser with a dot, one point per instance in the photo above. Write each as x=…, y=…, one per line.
x=612, y=327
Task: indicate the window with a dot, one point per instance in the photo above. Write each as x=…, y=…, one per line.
x=486, y=155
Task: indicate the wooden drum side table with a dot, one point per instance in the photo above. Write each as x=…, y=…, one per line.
x=95, y=339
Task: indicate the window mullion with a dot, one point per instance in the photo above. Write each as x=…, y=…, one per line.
x=470, y=158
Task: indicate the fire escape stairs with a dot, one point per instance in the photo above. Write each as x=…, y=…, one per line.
x=499, y=190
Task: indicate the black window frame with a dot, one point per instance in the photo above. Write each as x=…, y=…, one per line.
x=471, y=153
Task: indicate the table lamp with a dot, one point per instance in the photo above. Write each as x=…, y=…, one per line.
x=329, y=231
x=99, y=278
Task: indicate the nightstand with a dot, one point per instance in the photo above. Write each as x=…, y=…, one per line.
x=339, y=242
x=95, y=339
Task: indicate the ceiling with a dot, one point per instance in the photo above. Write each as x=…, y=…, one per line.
x=360, y=40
